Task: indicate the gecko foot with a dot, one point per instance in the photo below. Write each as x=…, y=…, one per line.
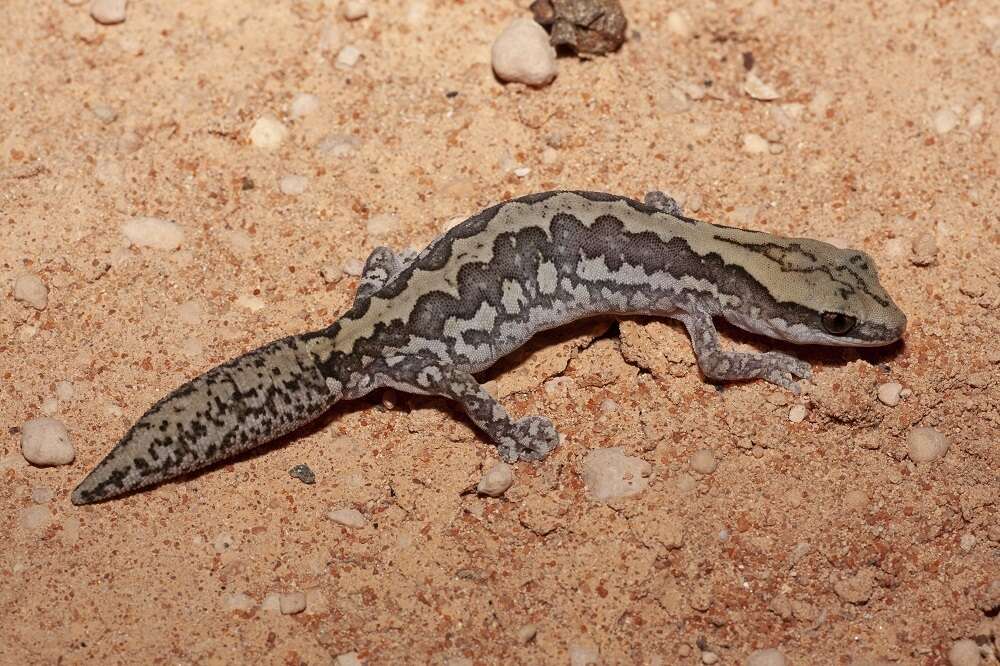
x=532, y=438
x=783, y=370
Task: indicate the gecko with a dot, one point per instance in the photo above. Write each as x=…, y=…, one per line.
x=426, y=322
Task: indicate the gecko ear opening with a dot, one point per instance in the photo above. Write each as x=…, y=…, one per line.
x=837, y=323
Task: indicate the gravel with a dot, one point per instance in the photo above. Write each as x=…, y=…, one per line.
x=797, y=413
x=153, y=232
x=291, y=603
x=755, y=144
x=108, y=12
x=268, y=133
x=496, y=480
x=348, y=518
x=522, y=54
x=964, y=653
x=29, y=289
x=766, y=657
x=293, y=185
x=759, y=90
x=703, y=461
x=354, y=10
x=348, y=57
x=303, y=474
x=45, y=442
x=610, y=475
x=926, y=445
x=303, y=105
x=889, y=393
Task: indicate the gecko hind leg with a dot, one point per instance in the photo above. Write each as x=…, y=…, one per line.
x=528, y=438
x=382, y=265
x=774, y=367
x=663, y=203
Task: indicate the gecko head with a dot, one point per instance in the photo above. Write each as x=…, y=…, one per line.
x=820, y=294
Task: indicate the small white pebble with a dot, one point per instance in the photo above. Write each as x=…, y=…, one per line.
x=354, y=267
x=348, y=518
x=347, y=659
x=521, y=172
x=964, y=653
x=583, y=652
x=925, y=250
x=522, y=54
x=976, y=116
x=496, y=480
x=926, y=445
x=331, y=272
x=766, y=657
x=29, y=289
x=64, y=391
x=104, y=113
x=338, y=145
x=303, y=105
x=755, y=144
x=41, y=495
x=967, y=542
x=293, y=185
x=759, y=90
x=222, y=542
x=945, y=120
x=250, y=302
x=153, y=232
x=709, y=657
x=348, y=57
x=608, y=405
x=679, y=23
x=888, y=393
x=46, y=442
x=379, y=225
x=703, y=461
x=527, y=633
x=108, y=12
x=797, y=414
x=268, y=133
x=292, y=603
x=354, y=10
x=35, y=517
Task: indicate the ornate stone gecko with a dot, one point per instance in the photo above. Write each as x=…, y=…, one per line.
x=425, y=323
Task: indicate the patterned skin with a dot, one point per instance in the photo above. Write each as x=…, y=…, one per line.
x=426, y=323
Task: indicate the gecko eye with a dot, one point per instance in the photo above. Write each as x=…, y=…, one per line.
x=837, y=323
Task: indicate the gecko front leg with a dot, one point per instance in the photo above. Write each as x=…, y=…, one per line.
x=774, y=367
x=528, y=438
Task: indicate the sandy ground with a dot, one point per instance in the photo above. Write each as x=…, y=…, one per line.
x=821, y=538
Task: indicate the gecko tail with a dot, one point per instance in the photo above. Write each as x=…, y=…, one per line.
x=243, y=403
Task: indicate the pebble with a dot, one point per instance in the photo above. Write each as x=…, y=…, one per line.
x=331, y=272
x=766, y=657
x=292, y=603
x=354, y=10
x=354, y=267
x=857, y=589
x=977, y=115
x=153, y=232
x=238, y=602
x=964, y=653
x=856, y=499
x=496, y=480
x=35, y=517
x=384, y=223
x=925, y=250
x=29, y=289
x=888, y=393
x=293, y=185
x=759, y=90
x=709, y=657
x=46, y=442
x=703, y=461
x=41, y=495
x=521, y=172
x=268, y=133
x=347, y=659
x=755, y=144
x=303, y=474
x=608, y=405
x=222, y=542
x=945, y=120
x=348, y=57
x=967, y=542
x=104, y=113
x=797, y=413
x=522, y=54
x=583, y=652
x=348, y=518
x=108, y=12
x=337, y=145
x=527, y=633
x=679, y=24
x=303, y=105
x=926, y=445
x=610, y=475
